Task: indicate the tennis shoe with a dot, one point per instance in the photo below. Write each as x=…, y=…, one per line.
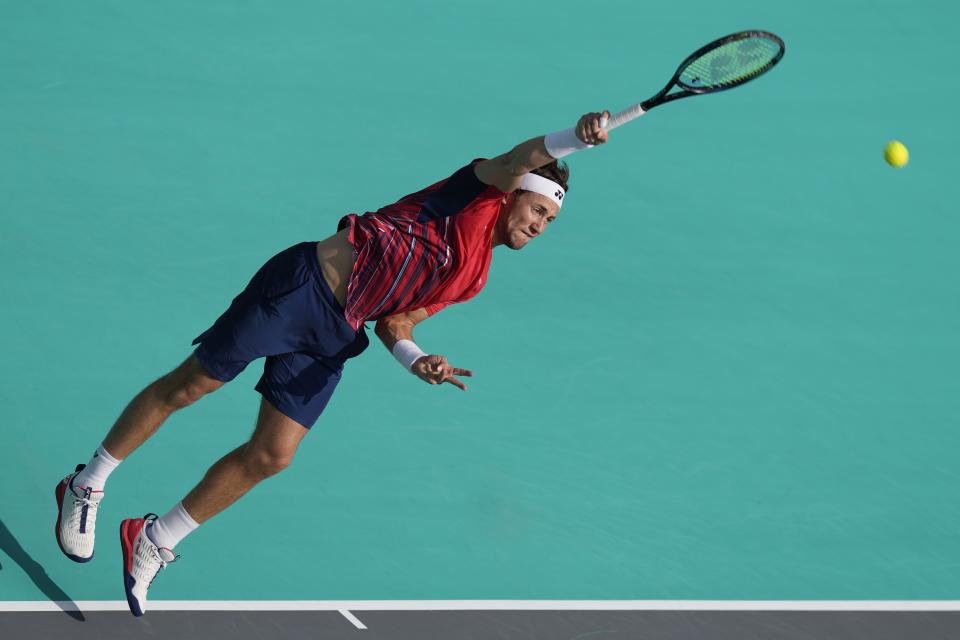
x=142, y=560
x=76, y=518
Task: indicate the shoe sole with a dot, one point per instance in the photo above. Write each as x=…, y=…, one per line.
x=126, y=547
x=59, y=493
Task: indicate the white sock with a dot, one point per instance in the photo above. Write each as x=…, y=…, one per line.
x=95, y=474
x=171, y=528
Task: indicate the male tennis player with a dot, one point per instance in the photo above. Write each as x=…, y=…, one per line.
x=304, y=311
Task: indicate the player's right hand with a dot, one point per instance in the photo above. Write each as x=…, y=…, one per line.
x=588, y=128
x=436, y=370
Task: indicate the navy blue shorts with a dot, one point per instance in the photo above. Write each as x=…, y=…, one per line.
x=288, y=314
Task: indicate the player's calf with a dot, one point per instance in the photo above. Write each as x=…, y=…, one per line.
x=151, y=407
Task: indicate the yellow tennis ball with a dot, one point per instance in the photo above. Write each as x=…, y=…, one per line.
x=896, y=154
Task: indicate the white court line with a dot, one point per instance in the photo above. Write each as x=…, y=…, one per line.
x=490, y=605
x=352, y=618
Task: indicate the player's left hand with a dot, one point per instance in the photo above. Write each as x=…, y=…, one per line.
x=589, y=130
x=436, y=370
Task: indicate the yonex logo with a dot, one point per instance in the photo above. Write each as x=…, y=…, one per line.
x=558, y=194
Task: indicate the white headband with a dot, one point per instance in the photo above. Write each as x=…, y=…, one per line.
x=543, y=186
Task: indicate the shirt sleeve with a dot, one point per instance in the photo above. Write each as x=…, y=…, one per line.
x=454, y=195
x=433, y=308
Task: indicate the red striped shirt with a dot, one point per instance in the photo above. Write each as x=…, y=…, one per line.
x=429, y=249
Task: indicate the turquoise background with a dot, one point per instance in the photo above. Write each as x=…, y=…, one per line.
x=729, y=369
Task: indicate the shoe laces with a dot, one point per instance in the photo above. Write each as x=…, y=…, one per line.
x=155, y=553
x=81, y=500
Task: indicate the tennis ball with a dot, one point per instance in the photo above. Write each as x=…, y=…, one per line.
x=896, y=154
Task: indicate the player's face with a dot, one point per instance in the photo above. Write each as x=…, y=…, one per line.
x=526, y=215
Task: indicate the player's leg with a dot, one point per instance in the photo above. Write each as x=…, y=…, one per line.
x=295, y=388
x=249, y=329
x=256, y=324
x=268, y=452
x=79, y=494
x=299, y=320
x=143, y=416
x=151, y=407
x=147, y=543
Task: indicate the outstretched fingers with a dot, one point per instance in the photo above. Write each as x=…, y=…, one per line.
x=450, y=376
x=437, y=370
x=455, y=382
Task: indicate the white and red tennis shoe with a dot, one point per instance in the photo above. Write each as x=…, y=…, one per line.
x=142, y=560
x=76, y=518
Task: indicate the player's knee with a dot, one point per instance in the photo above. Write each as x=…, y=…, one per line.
x=187, y=392
x=265, y=462
x=186, y=384
x=181, y=397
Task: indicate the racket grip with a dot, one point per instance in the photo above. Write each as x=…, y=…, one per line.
x=623, y=117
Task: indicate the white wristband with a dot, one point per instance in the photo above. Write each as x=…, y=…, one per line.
x=407, y=352
x=563, y=143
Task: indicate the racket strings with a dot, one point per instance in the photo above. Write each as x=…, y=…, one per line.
x=731, y=63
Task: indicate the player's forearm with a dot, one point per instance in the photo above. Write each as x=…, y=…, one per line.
x=506, y=171
x=391, y=332
x=392, y=329
x=526, y=156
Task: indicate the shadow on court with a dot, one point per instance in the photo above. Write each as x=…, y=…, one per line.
x=37, y=573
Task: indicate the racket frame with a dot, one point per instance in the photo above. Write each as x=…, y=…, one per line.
x=662, y=97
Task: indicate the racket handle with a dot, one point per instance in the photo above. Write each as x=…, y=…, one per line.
x=623, y=117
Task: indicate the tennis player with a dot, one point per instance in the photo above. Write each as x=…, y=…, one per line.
x=304, y=311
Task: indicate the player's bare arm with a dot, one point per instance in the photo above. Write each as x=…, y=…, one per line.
x=392, y=329
x=507, y=170
x=433, y=369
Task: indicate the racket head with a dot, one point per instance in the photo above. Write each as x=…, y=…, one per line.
x=729, y=61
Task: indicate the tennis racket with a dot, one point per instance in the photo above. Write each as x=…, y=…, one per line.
x=723, y=64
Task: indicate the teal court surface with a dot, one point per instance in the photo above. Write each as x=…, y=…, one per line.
x=718, y=398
